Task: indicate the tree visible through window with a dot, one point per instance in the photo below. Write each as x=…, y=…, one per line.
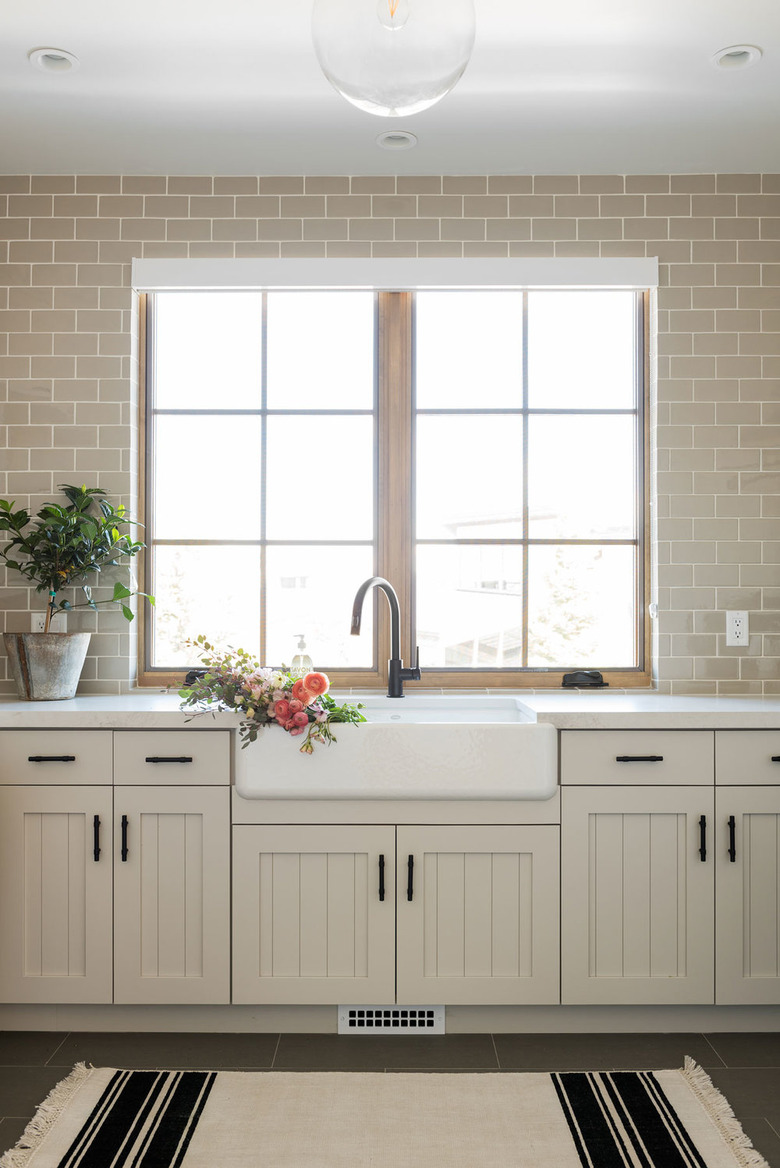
x=483, y=449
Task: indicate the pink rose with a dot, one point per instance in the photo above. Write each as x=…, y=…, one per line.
x=297, y=730
x=282, y=710
x=300, y=718
x=295, y=706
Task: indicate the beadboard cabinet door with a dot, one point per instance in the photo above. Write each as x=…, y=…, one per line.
x=172, y=895
x=55, y=894
x=637, y=896
x=314, y=914
x=747, y=883
x=478, y=915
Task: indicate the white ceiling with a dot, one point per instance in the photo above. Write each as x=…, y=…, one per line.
x=233, y=87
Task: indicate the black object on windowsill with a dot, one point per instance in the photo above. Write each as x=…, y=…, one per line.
x=193, y=676
x=584, y=679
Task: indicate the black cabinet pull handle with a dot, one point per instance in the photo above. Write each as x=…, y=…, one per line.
x=96, y=838
x=776, y=758
x=639, y=758
x=732, y=839
x=169, y=758
x=124, y=839
x=703, y=838
x=381, y=878
x=410, y=878
x=51, y=758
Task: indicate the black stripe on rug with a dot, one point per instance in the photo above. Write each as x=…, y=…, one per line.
x=624, y=1120
x=143, y=1119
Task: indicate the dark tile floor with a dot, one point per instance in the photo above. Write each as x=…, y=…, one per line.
x=745, y=1067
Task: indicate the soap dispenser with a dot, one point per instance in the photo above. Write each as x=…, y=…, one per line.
x=301, y=662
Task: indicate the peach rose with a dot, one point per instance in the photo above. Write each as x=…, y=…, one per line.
x=301, y=692
x=316, y=683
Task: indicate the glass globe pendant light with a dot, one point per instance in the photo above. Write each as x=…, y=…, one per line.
x=393, y=57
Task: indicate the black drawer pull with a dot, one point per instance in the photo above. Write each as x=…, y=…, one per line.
x=51, y=758
x=703, y=838
x=169, y=758
x=775, y=758
x=96, y=838
x=639, y=758
x=124, y=839
x=732, y=839
x=410, y=878
x=381, y=878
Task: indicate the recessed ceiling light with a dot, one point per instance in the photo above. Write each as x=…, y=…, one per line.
x=53, y=60
x=396, y=140
x=736, y=57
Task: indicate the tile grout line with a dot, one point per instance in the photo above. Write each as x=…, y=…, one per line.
x=58, y=1048
x=714, y=1051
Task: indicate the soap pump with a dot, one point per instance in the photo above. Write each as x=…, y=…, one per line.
x=301, y=662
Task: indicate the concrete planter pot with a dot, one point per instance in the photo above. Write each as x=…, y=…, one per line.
x=46, y=666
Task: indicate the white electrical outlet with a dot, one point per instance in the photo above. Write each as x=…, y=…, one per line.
x=737, y=630
x=38, y=621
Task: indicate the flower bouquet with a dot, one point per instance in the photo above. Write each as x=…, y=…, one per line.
x=234, y=680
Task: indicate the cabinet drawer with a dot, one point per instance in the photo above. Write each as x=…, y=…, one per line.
x=172, y=757
x=747, y=757
x=55, y=756
x=642, y=757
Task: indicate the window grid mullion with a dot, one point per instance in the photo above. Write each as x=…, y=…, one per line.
x=263, y=591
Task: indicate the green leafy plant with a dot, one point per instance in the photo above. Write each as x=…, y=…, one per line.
x=63, y=545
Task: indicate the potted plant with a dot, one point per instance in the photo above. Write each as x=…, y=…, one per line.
x=60, y=547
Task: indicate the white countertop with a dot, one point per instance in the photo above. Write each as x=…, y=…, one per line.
x=577, y=709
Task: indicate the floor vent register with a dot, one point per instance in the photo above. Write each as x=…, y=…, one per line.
x=391, y=1019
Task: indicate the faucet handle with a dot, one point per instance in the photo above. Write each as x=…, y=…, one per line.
x=415, y=670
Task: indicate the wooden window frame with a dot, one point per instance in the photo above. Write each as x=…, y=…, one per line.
x=394, y=535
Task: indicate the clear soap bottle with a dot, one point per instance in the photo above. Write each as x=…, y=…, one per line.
x=301, y=662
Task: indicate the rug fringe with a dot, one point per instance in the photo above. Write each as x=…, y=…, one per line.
x=45, y=1117
x=720, y=1112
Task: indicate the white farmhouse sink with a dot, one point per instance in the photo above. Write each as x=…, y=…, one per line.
x=411, y=748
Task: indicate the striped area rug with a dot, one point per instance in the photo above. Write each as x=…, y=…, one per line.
x=105, y=1118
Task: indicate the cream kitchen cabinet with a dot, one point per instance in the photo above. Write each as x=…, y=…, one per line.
x=55, y=894
x=113, y=893
x=671, y=892
x=637, y=895
x=378, y=914
x=747, y=868
x=313, y=914
x=637, y=878
x=478, y=918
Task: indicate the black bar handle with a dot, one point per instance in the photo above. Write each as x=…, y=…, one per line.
x=703, y=838
x=124, y=839
x=410, y=878
x=381, y=878
x=96, y=838
x=51, y=758
x=639, y=758
x=169, y=758
x=775, y=758
x=732, y=839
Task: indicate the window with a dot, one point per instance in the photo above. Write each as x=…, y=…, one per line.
x=482, y=448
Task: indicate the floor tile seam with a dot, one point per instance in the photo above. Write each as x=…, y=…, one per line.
x=56, y=1050
x=715, y=1051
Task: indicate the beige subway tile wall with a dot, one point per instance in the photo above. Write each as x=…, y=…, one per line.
x=69, y=370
